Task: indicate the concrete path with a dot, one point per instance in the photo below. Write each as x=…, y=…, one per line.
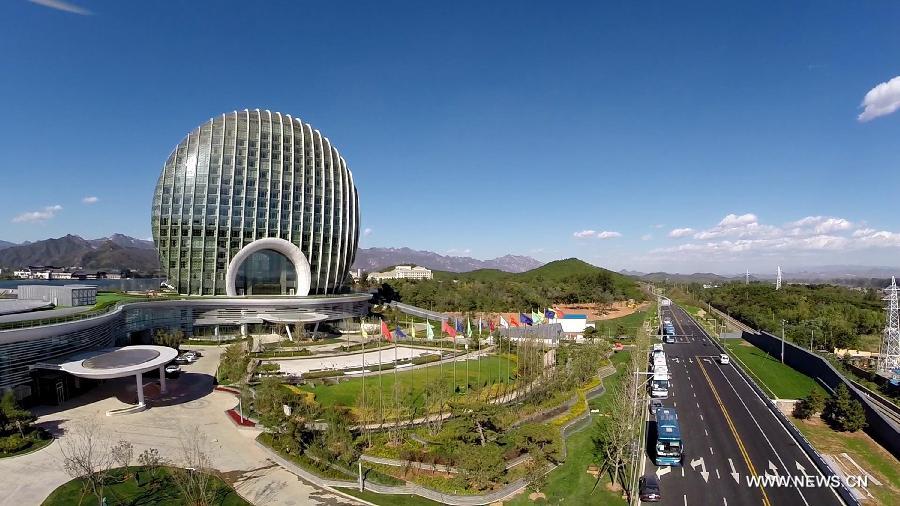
x=193, y=404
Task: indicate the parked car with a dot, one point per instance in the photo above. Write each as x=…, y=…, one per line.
x=724, y=360
x=181, y=360
x=654, y=405
x=173, y=371
x=648, y=488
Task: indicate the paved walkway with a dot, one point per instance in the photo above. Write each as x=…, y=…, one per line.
x=192, y=404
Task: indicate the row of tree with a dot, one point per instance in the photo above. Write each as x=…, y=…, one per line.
x=841, y=411
x=506, y=294
x=829, y=315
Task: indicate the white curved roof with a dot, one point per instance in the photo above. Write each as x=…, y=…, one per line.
x=119, y=362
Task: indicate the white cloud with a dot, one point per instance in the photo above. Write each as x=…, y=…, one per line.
x=455, y=251
x=818, y=225
x=658, y=225
x=38, y=216
x=681, y=232
x=63, y=6
x=646, y=237
x=740, y=226
x=90, y=200
x=367, y=232
x=881, y=100
x=605, y=234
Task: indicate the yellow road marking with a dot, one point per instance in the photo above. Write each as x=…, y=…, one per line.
x=734, y=432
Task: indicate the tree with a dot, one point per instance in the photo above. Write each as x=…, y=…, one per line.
x=86, y=456
x=843, y=412
x=14, y=415
x=170, y=338
x=122, y=453
x=813, y=403
x=151, y=459
x=194, y=476
x=479, y=466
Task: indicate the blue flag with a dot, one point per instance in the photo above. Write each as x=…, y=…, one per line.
x=459, y=325
x=399, y=333
x=525, y=319
x=549, y=314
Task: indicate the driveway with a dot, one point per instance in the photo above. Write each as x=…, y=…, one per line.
x=192, y=404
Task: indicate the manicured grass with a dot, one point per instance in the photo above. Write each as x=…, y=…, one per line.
x=389, y=500
x=633, y=323
x=570, y=483
x=161, y=491
x=779, y=379
x=413, y=382
x=859, y=446
x=106, y=299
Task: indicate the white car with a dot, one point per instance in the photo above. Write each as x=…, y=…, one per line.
x=724, y=360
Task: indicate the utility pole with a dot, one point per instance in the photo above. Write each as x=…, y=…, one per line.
x=782, y=339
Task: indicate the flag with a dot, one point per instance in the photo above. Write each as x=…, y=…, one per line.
x=525, y=319
x=468, y=327
x=386, y=332
x=491, y=324
x=559, y=314
x=459, y=325
x=447, y=328
x=429, y=332
x=399, y=333
x=480, y=325
x=549, y=314
x=513, y=321
x=503, y=323
x=362, y=329
x=537, y=317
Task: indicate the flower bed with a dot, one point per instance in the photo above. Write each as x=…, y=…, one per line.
x=238, y=420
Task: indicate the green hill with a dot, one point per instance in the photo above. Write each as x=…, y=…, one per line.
x=559, y=282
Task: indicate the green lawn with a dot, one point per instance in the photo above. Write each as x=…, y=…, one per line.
x=106, y=299
x=777, y=379
x=492, y=368
x=389, y=500
x=866, y=452
x=161, y=491
x=570, y=482
x=632, y=323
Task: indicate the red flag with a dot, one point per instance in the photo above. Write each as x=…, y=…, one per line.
x=513, y=321
x=447, y=328
x=559, y=314
x=386, y=332
x=491, y=325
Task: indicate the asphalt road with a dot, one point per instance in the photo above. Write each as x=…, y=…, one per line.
x=728, y=432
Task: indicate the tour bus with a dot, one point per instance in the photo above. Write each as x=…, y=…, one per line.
x=659, y=385
x=669, y=448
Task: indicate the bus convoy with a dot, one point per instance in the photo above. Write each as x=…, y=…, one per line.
x=669, y=448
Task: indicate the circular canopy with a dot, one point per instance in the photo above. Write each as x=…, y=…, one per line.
x=120, y=362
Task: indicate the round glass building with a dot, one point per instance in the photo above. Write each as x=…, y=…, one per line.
x=256, y=203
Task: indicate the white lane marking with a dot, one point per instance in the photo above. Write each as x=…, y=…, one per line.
x=662, y=471
x=725, y=501
x=695, y=393
x=698, y=405
x=717, y=474
x=703, y=472
x=701, y=417
x=685, y=499
x=711, y=452
x=682, y=471
x=735, y=475
x=706, y=432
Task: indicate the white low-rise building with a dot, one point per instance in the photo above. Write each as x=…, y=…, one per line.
x=402, y=272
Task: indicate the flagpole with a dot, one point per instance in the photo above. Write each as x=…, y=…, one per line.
x=380, y=389
x=396, y=385
x=365, y=406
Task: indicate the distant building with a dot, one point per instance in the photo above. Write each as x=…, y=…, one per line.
x=65, y=295
x=402, y=272
x=573, y=325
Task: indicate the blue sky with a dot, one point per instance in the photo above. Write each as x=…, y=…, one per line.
x=485, y=128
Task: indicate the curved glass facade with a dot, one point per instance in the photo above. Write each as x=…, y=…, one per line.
x=249, y=175
x=266, y=272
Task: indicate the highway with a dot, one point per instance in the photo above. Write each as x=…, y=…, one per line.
x=728, y=433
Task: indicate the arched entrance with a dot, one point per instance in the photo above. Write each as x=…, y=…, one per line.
x=269, y=266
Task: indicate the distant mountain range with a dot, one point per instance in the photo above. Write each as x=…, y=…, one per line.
x=120, y=251
x=841, y=274
x=373, y=259
x=115, y=252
